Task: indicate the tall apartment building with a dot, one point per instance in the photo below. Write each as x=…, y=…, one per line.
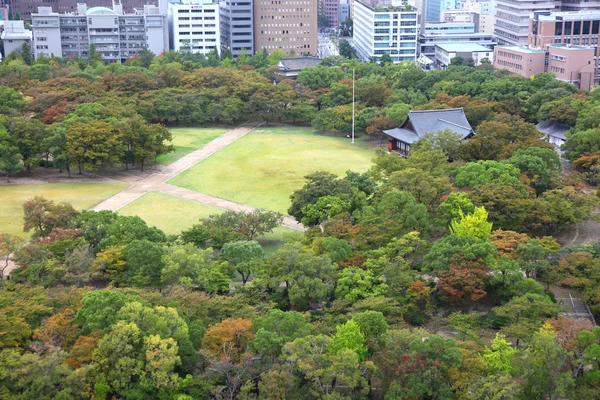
x=27, y=7
x=116, y=35
x=330, y=9
x=194, y=26
x=287, y=25
x=343, y=11
x=237, y=30
x=385, y=30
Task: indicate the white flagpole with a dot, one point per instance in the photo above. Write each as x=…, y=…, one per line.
x=352, y=105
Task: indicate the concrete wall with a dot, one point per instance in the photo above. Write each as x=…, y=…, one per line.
x=524, y=63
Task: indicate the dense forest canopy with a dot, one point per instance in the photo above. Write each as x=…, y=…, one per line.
x=425, y=278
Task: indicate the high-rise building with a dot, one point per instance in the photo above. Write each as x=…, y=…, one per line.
x=27, y=7
x=343, y=11
x=330, y=9
x=287, y=25
x=237, y=32
x=512, y=19
x=115, y=34
x=194, y=26
x=433, y=10
x=385, y=30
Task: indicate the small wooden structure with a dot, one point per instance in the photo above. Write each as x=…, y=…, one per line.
x=421, y=122
x=290, y=67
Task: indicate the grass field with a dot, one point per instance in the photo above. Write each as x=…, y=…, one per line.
x=173, y=214
x=264, y=167
x=80, y=195
x=187, y=140
x=169, y=213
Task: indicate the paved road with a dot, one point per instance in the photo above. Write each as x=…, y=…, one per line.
x=157, y=182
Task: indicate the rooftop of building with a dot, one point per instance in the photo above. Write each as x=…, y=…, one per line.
x=387, y=7
x=570, y=47
x=521, y=49
x=15, y=30
x=476, y=35
x=298, y=63
x=460, y=47
x=566, y=15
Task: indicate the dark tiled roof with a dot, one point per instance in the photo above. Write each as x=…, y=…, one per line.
x=298, y=63
x=403, y=135
x=426, y=121
x=555, y=129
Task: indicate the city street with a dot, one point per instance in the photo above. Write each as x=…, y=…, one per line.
x=326, y=46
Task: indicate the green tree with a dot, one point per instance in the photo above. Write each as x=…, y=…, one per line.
x=10, y=158
x=99, y=309
x=543, y=365
x=439, y=256
x=26, y=53
x=446, y=141
x=500, y=356
x=472, y=225
x=348, y=336
x=144, y=263
x=28, y=134
x=93, y=145
x=144, y=142
x=276, y=329
x=483, y=172
x=345, y=49
x=372, y=324
x=93, y=56
x=541, y=165
x=308, y=278
x=146, y=57
x=355, y=284
x=194, y=269
x=452, y=206
x=244, y=256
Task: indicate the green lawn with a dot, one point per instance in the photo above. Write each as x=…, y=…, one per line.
x=170, y=213
x=173, y=214
x=187, y=140
x=264, y=167
x=80, y=195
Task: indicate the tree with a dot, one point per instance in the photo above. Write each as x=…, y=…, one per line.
x=489, y=171
x=145, y=57
x=308, y=278
x=99, y=309
x=355, y=284
x=28, y=134
x=194, y=269
x=463, y=278
x=439, y=256
x=450, y=209
x=500, y=356
x=11, y=101
x=144, y=263
x=42, y=216
x=10, y=158
x=473, y=225
x=385, y=59
x=543, y=364
x=229, y=337
x=144, y=142
x=426, y=188
x=245, y=256
x=93, y=56
x=457, y=61
x=276, y=329
x=348, y=336
x=26, y=53
x=93, y=145
x=541, y=165
x=372, y=324
x=345, y=49
x=318, y=184
x=8, y=245
x=446, y=141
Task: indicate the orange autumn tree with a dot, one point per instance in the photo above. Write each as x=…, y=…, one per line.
x=463, y=279
x=229, y=338
x=506, y=242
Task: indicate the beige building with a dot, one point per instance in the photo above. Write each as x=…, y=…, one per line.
x=288, y=25
x=573, y=64
x=519, y=60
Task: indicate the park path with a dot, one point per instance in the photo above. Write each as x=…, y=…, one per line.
x=157, y=182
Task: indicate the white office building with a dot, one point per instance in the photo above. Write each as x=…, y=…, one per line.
x=116, y=36
x=14, y=35
x=382, y=30
x=194, y=26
